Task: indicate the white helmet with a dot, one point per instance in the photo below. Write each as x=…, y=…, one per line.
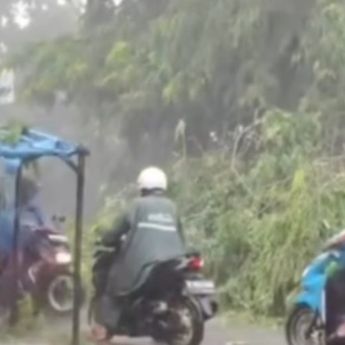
x=152, y=178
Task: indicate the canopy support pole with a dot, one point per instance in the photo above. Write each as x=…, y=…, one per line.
x=78, y=249
x=14, y=317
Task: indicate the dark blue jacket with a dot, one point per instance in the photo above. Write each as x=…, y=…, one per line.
x=30, y=214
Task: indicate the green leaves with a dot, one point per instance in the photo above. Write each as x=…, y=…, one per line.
x=53, y=67
x=11, y=132
x=119, y=55
x=260, y=222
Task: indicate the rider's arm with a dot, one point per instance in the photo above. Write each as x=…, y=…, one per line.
x=180, y=229
x=121, y=227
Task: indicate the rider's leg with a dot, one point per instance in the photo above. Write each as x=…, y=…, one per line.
x=335, y=302
x=107, y=315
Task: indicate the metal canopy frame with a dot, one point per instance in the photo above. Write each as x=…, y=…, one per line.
x=30, y=146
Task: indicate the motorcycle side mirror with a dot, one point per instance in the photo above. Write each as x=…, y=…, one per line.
x=59, y=219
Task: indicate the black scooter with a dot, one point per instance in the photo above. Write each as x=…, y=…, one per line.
x=171, y=306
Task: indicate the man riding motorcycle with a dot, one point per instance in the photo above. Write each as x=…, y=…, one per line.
x=31, y=210
x=29, y=213
x=153, y=233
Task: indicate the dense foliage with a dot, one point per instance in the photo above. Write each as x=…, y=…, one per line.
x=261, y=222
x=249, y=95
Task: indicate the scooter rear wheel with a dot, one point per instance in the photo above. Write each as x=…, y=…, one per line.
x=190, y=322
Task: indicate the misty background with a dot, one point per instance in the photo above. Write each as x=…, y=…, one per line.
x=22, y=24
x=241, y=101
x=128, y=129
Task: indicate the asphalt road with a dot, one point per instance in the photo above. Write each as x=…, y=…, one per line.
x=219, y=334
x=216, y=333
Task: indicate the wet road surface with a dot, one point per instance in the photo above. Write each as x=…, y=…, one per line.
x=219, y=334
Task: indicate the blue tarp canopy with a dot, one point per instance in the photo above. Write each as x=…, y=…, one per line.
x=29, y=145
x=33, y=144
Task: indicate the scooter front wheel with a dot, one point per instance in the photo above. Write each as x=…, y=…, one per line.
x=303, y=327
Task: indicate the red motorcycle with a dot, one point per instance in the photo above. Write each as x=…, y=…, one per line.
x=48, y=263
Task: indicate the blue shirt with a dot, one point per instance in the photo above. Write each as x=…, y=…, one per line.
x=31, y=214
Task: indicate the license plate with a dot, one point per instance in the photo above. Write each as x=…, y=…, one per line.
x=202, y=287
